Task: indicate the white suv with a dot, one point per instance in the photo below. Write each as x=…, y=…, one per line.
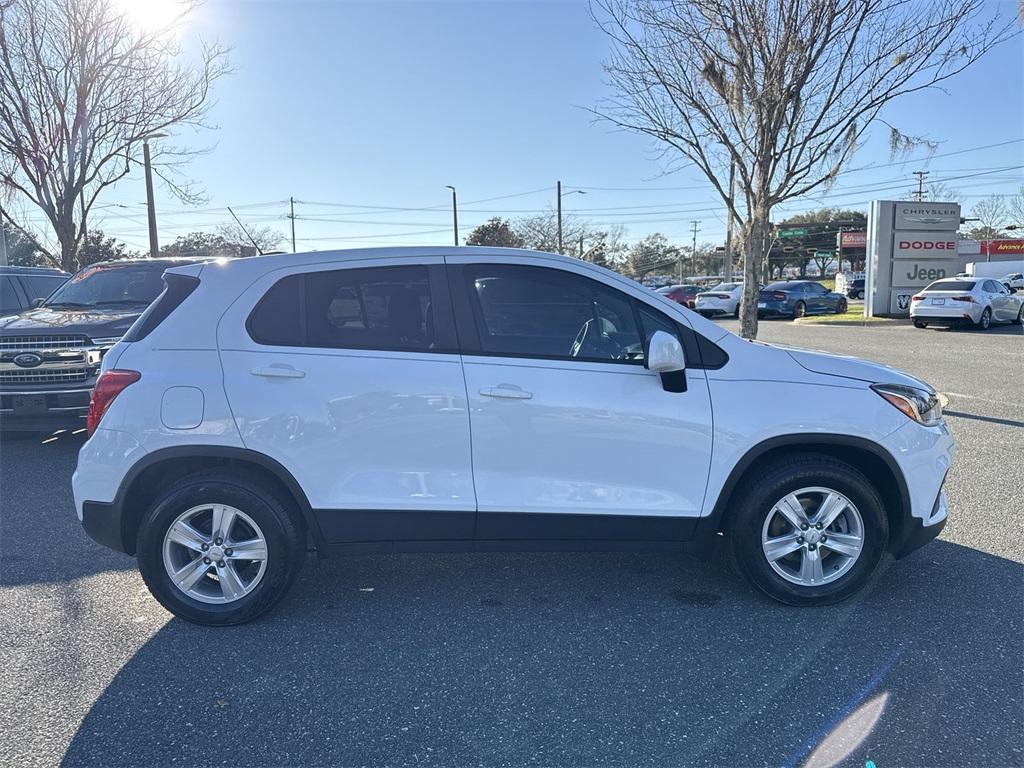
x=456, y=399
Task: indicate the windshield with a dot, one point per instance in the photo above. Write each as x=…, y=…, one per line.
x=951, y=285
x=109, y=286
x=726, y=287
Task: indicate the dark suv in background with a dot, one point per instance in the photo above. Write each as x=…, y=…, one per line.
x=50, y=354
x=23, y=287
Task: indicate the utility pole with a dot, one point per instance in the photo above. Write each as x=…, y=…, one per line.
x=558, y=190
x=693, y=252
x=154, y=247
x=728, y=222
x=455, y=213
x=291, y=205
x=919, y=195
x=581, y=246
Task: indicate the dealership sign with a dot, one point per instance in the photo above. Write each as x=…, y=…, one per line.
x=853, y=239
x=909, y=245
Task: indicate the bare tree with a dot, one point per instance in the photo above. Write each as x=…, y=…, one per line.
x=990, y=214
x=80, y=88
x=263, y=239
x=1016, y=207
x=783, y=91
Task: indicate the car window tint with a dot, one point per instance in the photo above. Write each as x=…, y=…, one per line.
x=816, y=288
x=652, y=320
x=951, y=285
x=277, y=318
x=377, y=308
x=8, y=296
x=548, y=313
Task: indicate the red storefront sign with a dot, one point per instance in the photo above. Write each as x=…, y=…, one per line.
x=853, y=239
x=1011, y=247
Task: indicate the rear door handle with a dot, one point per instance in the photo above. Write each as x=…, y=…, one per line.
x=508, y=391
x=278, y=372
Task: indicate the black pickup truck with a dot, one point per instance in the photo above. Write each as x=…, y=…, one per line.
x=50, y=355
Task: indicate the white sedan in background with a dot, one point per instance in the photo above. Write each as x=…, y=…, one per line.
x=723, y=299
x=979, y=300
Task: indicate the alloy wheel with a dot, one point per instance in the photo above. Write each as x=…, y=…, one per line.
x=215, y=553
x=813, y=536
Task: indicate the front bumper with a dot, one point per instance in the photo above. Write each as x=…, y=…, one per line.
x=917, y=533
x=40, y=409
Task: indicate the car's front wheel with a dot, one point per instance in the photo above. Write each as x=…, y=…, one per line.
x=809, y=530
x=218, y=548
x=841, y=307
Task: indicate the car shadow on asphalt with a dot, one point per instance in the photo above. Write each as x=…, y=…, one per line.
x=590, y=659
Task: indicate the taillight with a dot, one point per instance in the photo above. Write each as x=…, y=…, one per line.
x=969, y=299
x=916, y=298
x=109, y=385
x=778, y=295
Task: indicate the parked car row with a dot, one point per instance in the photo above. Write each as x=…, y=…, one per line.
x=789, y=298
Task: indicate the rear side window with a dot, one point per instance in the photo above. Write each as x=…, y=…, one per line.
x=385, y=308
x=176, y=289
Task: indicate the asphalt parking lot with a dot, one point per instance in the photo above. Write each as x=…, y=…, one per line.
x=549, y=659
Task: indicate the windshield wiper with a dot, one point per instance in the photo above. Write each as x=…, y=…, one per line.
x=63, y=304
x=120, y=302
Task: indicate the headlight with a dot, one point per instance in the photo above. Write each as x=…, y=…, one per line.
x=920, y=405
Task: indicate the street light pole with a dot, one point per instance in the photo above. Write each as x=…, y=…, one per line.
x=559, y=195
x=455, y=213
x=154, y=248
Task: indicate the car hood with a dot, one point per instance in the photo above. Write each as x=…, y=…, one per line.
x=95, y=323
x=852, y=368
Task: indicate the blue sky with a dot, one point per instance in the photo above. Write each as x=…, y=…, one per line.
x=382, y=104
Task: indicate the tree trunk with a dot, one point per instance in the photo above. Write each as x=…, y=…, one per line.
x=66, y=236
x=755, y=250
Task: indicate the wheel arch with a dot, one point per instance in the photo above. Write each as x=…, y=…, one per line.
x=151, y=474
x=867, y=456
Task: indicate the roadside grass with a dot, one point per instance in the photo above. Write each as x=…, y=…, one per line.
x=853, y=314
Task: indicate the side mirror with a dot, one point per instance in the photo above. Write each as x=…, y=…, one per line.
x=665, y=354
x=37, y=302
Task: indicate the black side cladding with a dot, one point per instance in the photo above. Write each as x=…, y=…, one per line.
x=177, y=288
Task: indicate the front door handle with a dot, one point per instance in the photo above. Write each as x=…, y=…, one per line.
x=508, y=391
x=278, y=372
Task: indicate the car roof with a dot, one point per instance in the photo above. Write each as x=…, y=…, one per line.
x=960, y=280
x=12, y=269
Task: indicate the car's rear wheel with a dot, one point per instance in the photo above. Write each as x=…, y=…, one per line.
x=919, y=324
x=799, y=310
x=809, y=530
x=218, y=548
x=986, y=320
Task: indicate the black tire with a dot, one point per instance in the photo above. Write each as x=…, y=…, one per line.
x=986, y=320
x=773, y=482
x=1020, y=315
x=736, y=314
x=282, y=529
x=860, y=295
x=919, y=324
x=799, y=310
x=841, y=308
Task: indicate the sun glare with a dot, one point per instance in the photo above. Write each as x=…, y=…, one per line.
x=150, y=15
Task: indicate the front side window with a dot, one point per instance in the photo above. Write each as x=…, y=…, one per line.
x=385, y=308
x=548, y=313
x=43, y=285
